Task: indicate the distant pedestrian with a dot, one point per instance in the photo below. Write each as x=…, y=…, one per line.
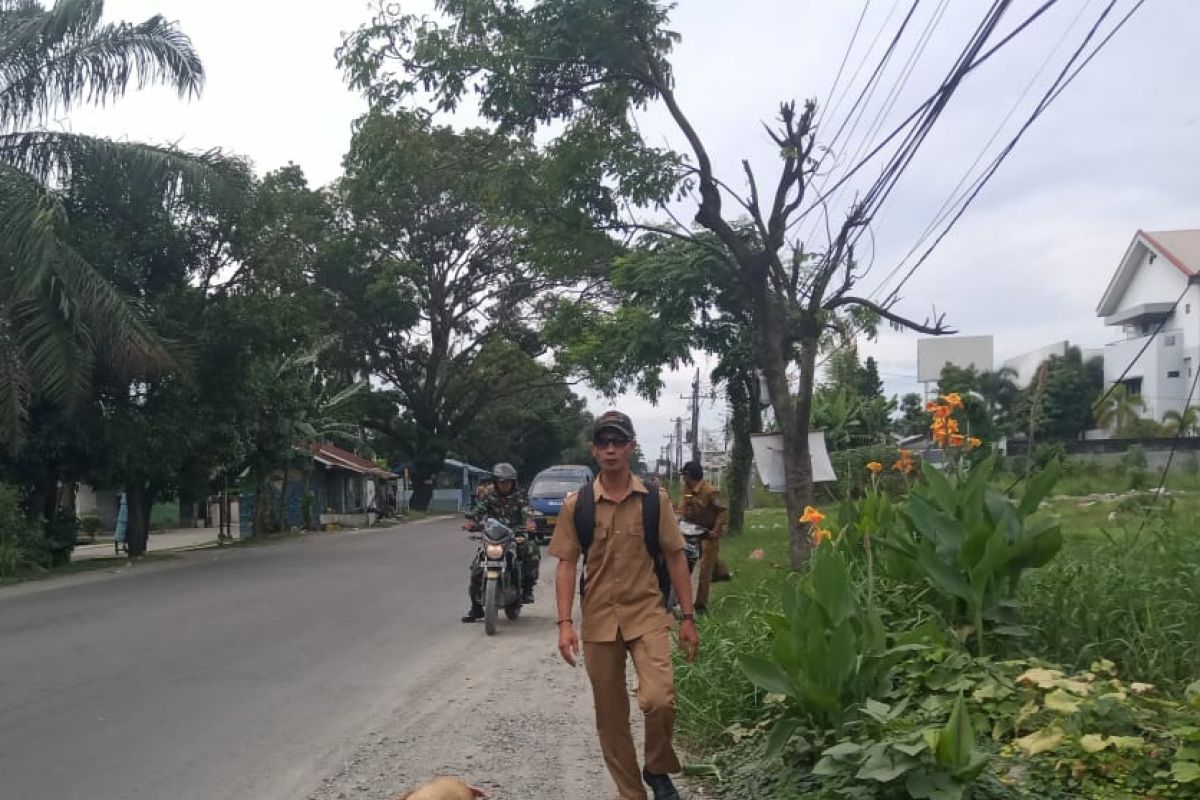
x=700, y=504
x=120, y=536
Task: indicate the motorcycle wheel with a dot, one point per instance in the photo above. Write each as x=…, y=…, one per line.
x=491, y=608
x=513, y=611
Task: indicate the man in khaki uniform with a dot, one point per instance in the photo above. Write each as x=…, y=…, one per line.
x=624, y=612
x=701, y=505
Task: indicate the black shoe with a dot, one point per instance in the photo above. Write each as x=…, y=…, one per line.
x=527, y=597
x=474, y=615
x=661, y=785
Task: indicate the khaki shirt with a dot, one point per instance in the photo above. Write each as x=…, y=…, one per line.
x=703, y=507
x=621, y=594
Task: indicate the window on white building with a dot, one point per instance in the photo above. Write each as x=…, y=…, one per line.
x=1173, y=373
x=1170, y=341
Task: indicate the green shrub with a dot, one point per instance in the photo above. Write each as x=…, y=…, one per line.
x=855, y=480
x=1139, y=479
x=1131, y=595
x=59, y=534
x=1135, y=457
x=90, y=524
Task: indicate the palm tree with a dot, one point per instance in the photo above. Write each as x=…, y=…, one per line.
x=57, y=313
x=1119, y=411
x=1000, y=392
x=1181, y=423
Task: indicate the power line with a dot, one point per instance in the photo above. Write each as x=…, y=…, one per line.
x=950, y=201
x=1065, y=78
x=890, y=99
x=845, y=57
x=822, y=196
x=863, y=62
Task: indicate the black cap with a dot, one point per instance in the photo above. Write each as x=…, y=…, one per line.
x=693, y=470
x=614, y=420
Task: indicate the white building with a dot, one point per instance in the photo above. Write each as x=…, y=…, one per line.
x=1026, y=365
x=1155, y=285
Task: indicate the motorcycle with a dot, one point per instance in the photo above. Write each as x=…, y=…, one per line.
x=693, y=537
x=497, y=557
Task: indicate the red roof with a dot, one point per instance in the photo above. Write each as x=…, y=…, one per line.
x=337, y=457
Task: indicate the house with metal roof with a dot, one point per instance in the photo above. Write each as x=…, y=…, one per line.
x=1153, y=300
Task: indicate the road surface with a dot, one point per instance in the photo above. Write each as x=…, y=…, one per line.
x=330, y=667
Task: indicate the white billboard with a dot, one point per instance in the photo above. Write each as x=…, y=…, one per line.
x=768, y=458
x=936, y=352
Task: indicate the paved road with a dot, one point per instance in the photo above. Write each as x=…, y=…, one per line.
x=243, y=673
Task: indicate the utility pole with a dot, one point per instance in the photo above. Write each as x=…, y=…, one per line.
x=696, y=418
x=678, y=443
x=693, y=437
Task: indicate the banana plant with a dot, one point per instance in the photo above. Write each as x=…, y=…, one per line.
x=972, y=543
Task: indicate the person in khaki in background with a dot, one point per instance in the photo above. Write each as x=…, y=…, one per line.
x=624, y=612
x=701, y=505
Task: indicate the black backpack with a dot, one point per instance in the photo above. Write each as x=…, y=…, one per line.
x=585, y=529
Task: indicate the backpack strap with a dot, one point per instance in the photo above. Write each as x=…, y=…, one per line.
x=585, y=525
x=651, y=507
x=650, y=510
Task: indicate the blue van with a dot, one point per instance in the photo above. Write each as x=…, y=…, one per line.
x=547, y=492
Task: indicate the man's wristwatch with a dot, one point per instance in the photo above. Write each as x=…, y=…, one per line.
x=687, y=617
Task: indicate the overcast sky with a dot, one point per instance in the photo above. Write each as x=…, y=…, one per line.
x=1120, y=150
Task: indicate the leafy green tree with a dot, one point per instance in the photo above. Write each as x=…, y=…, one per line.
x=661, y=301
x=530, y=430
x=990, y=398
x=1060, y=398
x=441, y=304
x=914, y=419
x=870, y=385
x=58, y=315
x=581, y=68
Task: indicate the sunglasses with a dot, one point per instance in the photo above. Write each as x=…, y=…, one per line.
x=611, y=441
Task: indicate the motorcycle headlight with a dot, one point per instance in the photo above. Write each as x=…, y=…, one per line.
x=495, y=550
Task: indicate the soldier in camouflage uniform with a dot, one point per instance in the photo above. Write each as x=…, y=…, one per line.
x=508, y=504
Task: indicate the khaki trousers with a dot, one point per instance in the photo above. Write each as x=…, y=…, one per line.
x=708, y=566
x=605, y=663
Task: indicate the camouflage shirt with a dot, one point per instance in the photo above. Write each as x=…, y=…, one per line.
x=512, y=509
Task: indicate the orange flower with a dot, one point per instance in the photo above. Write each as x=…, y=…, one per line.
x=941, y=437
x=905, y=463
x=821, y=535
x=812, y=516
x=974, y=442
x=875, y=466
x=957, y=440
x=943, y=412
x=954, y=400
x=952, y=425
x=932, y=406
x=938, y=425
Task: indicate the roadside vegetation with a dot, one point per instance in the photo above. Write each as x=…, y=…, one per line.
x=956, y=642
